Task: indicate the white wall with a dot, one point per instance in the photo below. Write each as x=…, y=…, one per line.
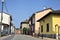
x=6, y=18
x=2, y=28
x=25, y=25
x=12, y=29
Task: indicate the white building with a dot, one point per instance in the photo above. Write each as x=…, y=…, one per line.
x=13, y=29
x=6, y=23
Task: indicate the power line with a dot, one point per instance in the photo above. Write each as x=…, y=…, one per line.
x=6, y=8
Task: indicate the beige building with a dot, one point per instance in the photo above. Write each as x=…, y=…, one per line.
x=34, y=25
x=24, y=24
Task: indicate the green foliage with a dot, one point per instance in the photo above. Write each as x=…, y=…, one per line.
x=24, y=29
x=17, y=28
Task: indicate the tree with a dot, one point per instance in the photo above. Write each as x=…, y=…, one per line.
x=17, y=28
x=24, y=30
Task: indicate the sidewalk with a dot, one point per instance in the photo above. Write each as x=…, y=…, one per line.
x=1, y=38
x=40, y=38
x=45, y=38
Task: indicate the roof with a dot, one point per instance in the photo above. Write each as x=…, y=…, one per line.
x=39, y=11
x=5, y=13
x=31, y=16
x=53, y=12
x=44, y=10
x=56, y=11
x=26, y=21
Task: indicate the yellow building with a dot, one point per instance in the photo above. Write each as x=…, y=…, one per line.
x=49, y=24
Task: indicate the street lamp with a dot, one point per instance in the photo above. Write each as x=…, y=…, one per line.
x=1, y=16
x=2, y=5
x=2, y=11
x=2, y=0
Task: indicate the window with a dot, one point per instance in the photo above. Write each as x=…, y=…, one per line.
x=47, y=27
x=42, y=28
x=30, y=22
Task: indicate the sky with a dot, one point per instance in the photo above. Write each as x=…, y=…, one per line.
x=23, y=9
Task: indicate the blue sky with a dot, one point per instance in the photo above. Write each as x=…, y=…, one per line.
x=23, y=9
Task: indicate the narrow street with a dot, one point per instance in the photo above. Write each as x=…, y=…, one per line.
x=19, y=37
x=23, y=37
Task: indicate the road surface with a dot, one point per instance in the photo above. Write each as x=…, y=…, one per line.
x=22, y=37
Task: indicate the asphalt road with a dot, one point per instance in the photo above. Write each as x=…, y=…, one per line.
x=23, y=37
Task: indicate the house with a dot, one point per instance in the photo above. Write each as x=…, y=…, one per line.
x=24, y=24
x=33, y=24
x=6, y=23
x=13, y=29
x=50, y=24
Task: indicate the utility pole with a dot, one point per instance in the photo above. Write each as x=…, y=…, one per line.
x=1, y=16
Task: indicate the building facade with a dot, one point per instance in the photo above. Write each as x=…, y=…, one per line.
x=49, y=24
x=24, y=24
x=6, y=22
x=34, y=25
x=13, y=29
